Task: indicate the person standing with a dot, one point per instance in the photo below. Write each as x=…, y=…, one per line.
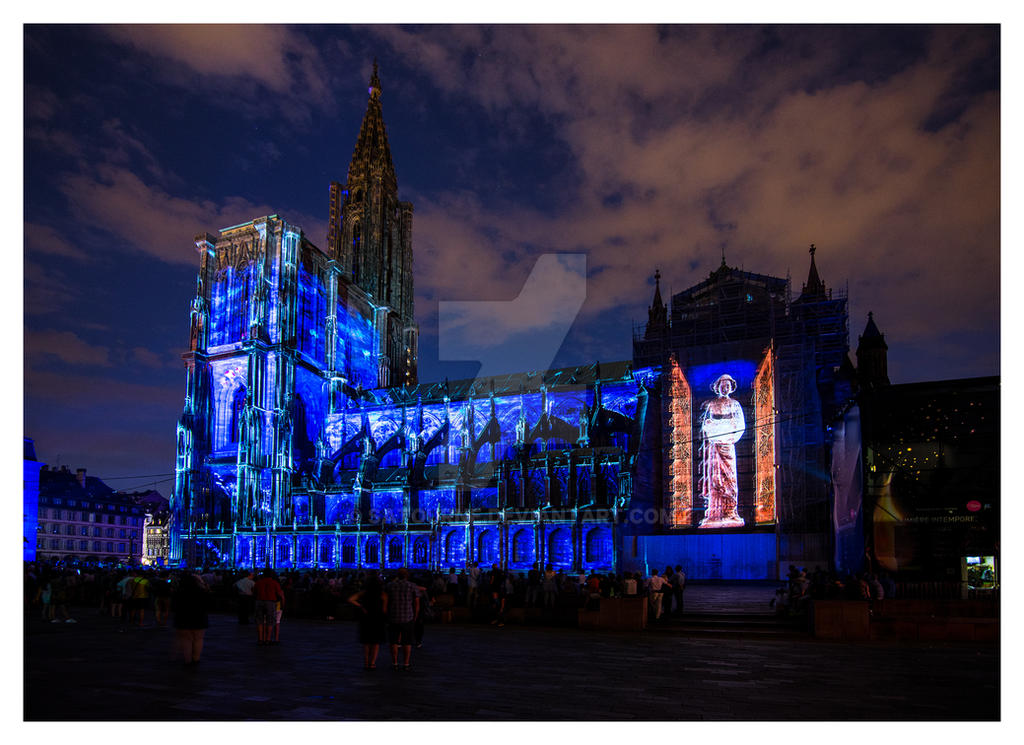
x=472, y=585
x=497, y=593
x=244, y=588
x=127, y=587
x=550, y=587
x=162, y=598
x=453, y=585
x=420, y=625
x=533, y=585
x=190, y=605
x=629, y=585
x=46, y=595
x=268, y=594
x=656, y=586
x=403, y=607
x=372, y=603
x=140, y=597
x=678, y=585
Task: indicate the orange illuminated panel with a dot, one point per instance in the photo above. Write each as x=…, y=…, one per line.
x=681, y=467
x=764, y=448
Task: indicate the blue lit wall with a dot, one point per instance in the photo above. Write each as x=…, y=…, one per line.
x=485, y=498
x=702, y=376
x=431, y=499
x=706, y=555
x=559, y=546
x=358, y=344
x=522, y=553
x=454, y=547
x=340, y=508
x=228, y=376
x=597, y=547
x=389, y=505
x=30, y=495
x=311, y=334
x=566, y=406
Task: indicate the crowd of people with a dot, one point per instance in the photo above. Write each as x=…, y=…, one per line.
x=391, y=607
x=793, y=598
x=128, y=593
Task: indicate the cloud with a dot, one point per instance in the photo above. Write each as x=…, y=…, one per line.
x=146, y=358
x=241, y=62
x=146, y=217
x=685, y=146
x=43, y=239
x=123, y=148
x=64, y=346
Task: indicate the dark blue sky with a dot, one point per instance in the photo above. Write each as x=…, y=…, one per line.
x=638, y=146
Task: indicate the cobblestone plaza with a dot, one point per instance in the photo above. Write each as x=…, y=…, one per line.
x=90, y=671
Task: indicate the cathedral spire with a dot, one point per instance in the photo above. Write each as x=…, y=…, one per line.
x=374, y=89
x=372, y=152
x=657, y=314
x=369, y=235
x=814, y=288
x=872, y=356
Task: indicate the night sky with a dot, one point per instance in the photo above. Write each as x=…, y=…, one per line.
x=640, y=147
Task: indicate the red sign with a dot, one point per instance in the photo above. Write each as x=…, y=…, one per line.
x=973, y=506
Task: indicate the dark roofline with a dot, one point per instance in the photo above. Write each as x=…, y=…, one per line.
x=505, y=385
x=729, y=273
x=989, y=381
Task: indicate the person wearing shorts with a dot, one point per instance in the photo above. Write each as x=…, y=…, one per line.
x=268, y=594
x=403, y=607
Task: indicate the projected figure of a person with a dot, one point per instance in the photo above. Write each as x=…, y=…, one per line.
x=721, y=425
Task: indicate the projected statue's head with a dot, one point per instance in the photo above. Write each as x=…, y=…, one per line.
x=724, y=386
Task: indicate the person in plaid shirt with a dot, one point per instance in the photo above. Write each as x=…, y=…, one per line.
x=403, y=607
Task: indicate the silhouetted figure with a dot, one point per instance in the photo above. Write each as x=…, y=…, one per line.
x=190, y=605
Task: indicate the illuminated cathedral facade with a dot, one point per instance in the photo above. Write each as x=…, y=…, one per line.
x=307, y=441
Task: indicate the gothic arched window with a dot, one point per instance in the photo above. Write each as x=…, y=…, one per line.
x=522, y=547
x=454, y=549
x=486, y=548
x=395, y=551
x=372, y=551
x=560, y=547
x=598, y=546
x=356, y=234
x=348, y=551
x=419, y=551
x=326, y=551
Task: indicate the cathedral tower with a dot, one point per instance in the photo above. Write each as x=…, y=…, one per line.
x=872, y=356
x=370, y=236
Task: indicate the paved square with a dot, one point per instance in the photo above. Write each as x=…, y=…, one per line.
x=91, y=671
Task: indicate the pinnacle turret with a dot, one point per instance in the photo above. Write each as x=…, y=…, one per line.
x=872, y=355
x=815, y=288
x=657, y=314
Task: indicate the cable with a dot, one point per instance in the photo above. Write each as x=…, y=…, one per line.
x=143, y=476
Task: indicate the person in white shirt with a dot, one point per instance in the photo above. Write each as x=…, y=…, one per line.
x=243, y=588
x=656, y=586
x=472, y=583
x=629, y=585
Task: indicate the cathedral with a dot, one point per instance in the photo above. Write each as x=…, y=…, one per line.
x=307, y=440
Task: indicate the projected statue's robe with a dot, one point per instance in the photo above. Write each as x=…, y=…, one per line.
x=722, y=425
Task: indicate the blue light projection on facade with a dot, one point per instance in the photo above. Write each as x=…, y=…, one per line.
x=306, y=440
x=298, y=452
